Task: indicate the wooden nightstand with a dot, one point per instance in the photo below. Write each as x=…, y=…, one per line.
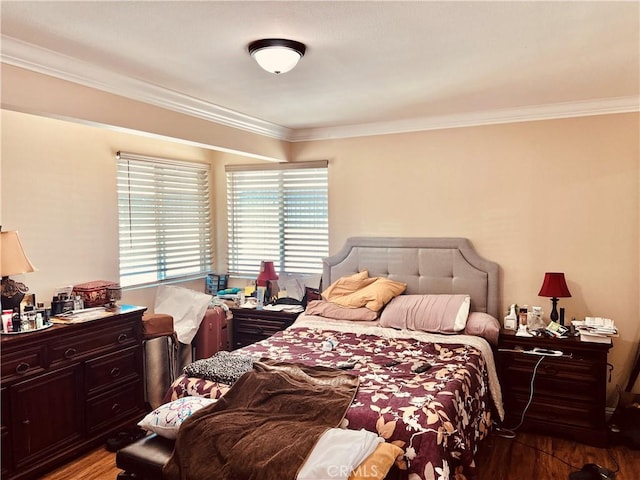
x=250, y=325
x=569, y=392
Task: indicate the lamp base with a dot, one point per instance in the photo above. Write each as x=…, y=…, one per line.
x=12, y=293
x=554, y=310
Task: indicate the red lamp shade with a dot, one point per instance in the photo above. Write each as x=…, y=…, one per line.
x=267, y=273
x=554, y=285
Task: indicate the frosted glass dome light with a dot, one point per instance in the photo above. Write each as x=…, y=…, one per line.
x=277, y=55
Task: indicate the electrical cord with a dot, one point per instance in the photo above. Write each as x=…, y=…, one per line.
x=510, y=433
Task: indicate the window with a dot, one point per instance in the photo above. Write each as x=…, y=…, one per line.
x=164, y=219
x=277, y=212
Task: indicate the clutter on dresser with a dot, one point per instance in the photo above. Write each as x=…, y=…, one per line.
x=595, y=329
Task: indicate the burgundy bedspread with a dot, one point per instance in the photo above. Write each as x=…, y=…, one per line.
x=437, y=417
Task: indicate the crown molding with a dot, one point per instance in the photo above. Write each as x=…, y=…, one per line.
x=41, y=60
x=554, y=111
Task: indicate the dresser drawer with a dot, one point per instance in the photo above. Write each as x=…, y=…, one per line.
x=103, y=372
x=78, y=346
x=17, y=364
x=113, y=406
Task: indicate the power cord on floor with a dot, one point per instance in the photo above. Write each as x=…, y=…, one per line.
x=510, y=433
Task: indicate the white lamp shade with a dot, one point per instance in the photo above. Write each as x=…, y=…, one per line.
x=276, y=59
x=13, y=260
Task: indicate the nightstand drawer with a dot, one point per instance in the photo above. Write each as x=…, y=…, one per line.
x=547, y=410
x=560, y=369
x=250, y=326
x=258, y=327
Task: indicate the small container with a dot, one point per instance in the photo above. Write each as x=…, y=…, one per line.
x=523, y=316
x=6, y=321
x=15, y=319
x=39, y=320
x=511, y=320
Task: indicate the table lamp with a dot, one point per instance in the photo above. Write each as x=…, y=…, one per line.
x=13, y=261
x=554, y=286
x=267, y=278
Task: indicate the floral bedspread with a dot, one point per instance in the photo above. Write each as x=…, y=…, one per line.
x=438, y=416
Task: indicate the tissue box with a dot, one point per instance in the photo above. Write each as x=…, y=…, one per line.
x=93, y=294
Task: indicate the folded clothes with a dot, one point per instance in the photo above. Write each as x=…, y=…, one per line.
x=224, y=367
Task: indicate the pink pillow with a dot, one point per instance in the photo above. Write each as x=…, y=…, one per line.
x=483, y=325
x=331, y=310
x=427, y=313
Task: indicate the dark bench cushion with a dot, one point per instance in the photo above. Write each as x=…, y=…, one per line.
x=145, y=457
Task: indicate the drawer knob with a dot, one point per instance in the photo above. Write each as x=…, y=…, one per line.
x=115, y=372
x=22, y=368
x=122, y=337
x=258, y=331
x=115, y=408
x=70, y=353
x=550, y=370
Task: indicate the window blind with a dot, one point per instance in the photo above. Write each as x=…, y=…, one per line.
x=280, y=213
x=164, y=219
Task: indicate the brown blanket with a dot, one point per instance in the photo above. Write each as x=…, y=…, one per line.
x=265, y=426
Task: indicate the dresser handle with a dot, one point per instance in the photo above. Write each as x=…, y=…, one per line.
x=115, y=408
x=70, y=353
x=26, y=422
x=115, y=372
x=258, y=331
x=122, y=337
x=22, y=368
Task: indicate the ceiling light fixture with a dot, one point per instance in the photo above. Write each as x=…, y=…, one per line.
x=277, y=55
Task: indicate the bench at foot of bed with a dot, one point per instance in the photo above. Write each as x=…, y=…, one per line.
x=144, y=458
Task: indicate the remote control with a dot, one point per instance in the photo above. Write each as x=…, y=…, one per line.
x=346, y=365
x=422, y=368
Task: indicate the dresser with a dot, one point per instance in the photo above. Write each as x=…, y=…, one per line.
x=250, y=325
x=569, y=391
x=68, y=387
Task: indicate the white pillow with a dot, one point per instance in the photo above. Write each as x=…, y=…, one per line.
x=427, y=313
x=166, y=419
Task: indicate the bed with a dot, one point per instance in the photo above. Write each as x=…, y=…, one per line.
x=435, y=395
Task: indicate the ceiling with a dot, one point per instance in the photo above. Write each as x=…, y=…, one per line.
x=370, y=67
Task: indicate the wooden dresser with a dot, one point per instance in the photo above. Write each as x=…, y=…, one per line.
x=66, y=388
x=569, y=391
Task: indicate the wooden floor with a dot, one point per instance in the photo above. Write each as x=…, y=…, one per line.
x=522, y=458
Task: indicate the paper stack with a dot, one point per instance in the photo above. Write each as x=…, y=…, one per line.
x=596, y=329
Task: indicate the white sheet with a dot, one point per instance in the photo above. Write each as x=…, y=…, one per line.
x=337, y=453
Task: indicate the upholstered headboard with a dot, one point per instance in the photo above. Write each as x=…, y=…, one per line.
x=426, y=265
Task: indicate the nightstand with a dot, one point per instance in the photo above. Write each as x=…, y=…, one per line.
x=250, y=325
x=569, y=392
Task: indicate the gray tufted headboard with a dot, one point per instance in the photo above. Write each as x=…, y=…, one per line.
x=426, y=265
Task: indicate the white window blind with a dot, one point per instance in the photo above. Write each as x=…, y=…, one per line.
x=164, y=219
x=280, y=213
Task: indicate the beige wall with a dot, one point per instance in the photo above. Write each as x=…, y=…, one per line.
x=59, y=192
x=558, y=195
x=534, y=197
